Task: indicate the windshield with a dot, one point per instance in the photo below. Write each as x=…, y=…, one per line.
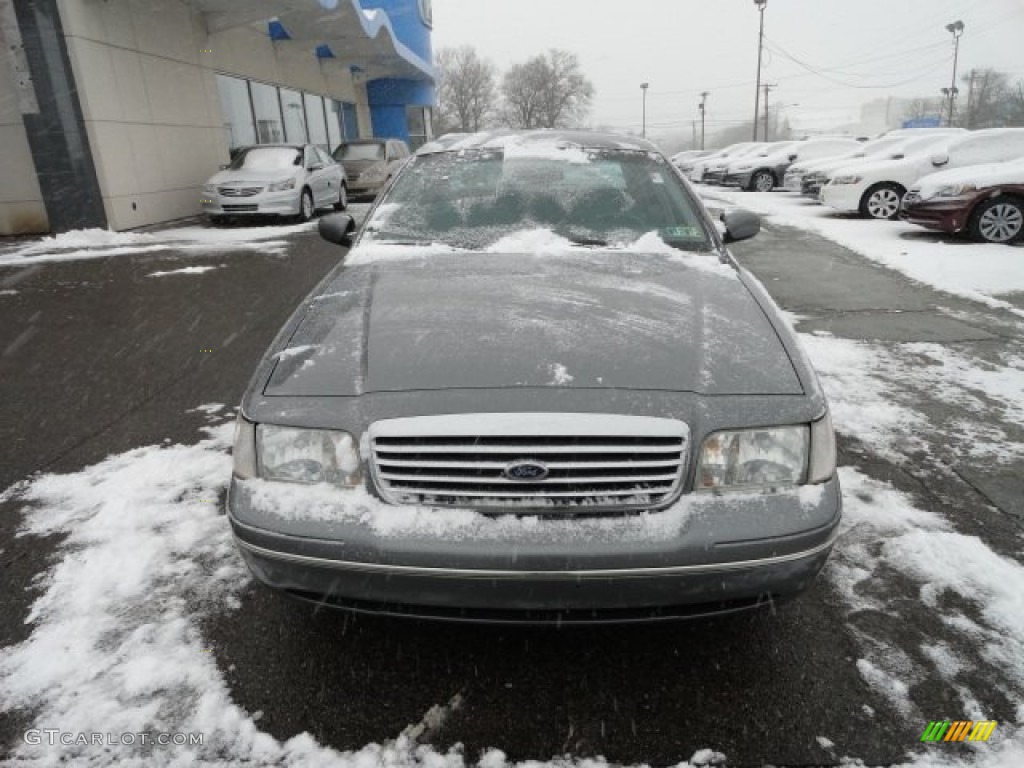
x=267, y=159
x=370, y=151
x=472, y=199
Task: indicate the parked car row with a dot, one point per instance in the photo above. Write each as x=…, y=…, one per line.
x=949, y=179
x=296, y=180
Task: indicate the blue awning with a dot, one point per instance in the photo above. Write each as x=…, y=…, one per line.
x=364, y=38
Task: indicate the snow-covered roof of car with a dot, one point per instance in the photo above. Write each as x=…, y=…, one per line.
x=585, y=139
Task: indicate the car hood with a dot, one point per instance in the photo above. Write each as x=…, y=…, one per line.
x=597, y=320
x=904, y=170
x=985, y=175
x=250, y=175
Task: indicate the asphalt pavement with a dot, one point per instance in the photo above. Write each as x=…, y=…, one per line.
x=98, y=358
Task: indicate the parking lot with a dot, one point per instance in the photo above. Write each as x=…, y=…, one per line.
x=122, y=361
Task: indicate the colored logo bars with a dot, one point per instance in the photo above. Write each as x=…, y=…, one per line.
x=958, y=730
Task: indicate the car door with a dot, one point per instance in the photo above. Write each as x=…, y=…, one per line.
x=315, y=175
x=331, y=176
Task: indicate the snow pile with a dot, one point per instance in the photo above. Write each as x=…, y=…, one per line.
x=100, y=243
x=977, y=271
x=183, y=271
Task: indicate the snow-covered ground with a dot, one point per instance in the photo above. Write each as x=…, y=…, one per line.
x=979, y=271
x=193, y=239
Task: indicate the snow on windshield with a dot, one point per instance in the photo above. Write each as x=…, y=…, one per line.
x=473, y=199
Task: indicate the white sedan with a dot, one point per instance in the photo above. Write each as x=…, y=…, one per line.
x=875, y=190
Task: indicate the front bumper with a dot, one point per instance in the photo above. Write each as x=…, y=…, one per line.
x=950, y=215
x=793, y=182
x=359, y=188
x=285, y=203
x=741, y=179
x=713, y=554
x=842, y=197
x=714, y=176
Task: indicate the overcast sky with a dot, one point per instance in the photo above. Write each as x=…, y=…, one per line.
x=683, y=47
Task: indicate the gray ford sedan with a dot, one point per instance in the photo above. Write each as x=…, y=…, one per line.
x=537, y=388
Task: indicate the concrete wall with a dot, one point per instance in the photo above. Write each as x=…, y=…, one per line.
x=21, y=201
x=145, y=72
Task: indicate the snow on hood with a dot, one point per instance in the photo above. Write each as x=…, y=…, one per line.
x=249, y=175
x=988, y=175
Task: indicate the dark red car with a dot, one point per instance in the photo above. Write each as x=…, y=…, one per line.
x=985, y=201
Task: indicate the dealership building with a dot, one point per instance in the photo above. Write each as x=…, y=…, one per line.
x=113, y=113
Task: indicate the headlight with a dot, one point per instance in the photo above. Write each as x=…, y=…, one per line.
x=846, y=180
x=773, y=456
x=244, y=451
x=281, y=186
x=309, y=456
x=209, y=189
x=954, y=190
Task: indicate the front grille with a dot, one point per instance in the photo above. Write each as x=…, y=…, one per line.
x=594, y=462
x=241, y=208
x=239, y=191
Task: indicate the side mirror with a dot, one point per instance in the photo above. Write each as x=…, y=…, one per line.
x=792, y=158
x=940, y=158
x=316, y=167
x=739, y=225
x=337, y=228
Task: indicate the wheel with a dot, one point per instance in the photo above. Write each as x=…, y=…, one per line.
x=342, y=203
x=306, y=206
x=762, y=181
x=998, y=220
x=882, y=201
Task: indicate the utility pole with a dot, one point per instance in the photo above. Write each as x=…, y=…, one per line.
x=703, y=101
x=760, y=49
x=693, y=126
x=970, y=101
x=767, y=87
x=956, y=29
x=643, y=88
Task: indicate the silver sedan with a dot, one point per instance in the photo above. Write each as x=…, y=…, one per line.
x=291, y=180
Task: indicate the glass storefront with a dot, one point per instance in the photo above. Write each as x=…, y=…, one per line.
x=259, y=113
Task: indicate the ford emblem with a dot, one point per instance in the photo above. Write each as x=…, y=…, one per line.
x=526, y=470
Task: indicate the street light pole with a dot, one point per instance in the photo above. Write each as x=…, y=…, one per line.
x=956, y=29
x=760, y=48
x=643, y=130
x=767, y=87
x=703, y=101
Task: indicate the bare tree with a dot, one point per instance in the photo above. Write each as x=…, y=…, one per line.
x=547, y=91
x=465, y=89
x=989, y=93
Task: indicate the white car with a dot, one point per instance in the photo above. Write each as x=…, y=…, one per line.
x=875, y=189
x=763, y=171
x=277, y=180
x=715, y=171
x=807, y=177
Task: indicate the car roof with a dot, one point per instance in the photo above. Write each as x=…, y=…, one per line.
x=585, y=139
x=275, y=146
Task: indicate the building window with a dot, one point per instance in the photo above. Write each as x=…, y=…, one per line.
x=265, y=104
x=418, y=120
x=294, y=116
x=316, y=120
x=334, y=127
x=239, y=127
x=350, y=120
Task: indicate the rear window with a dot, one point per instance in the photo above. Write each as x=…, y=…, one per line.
x=359, y=152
